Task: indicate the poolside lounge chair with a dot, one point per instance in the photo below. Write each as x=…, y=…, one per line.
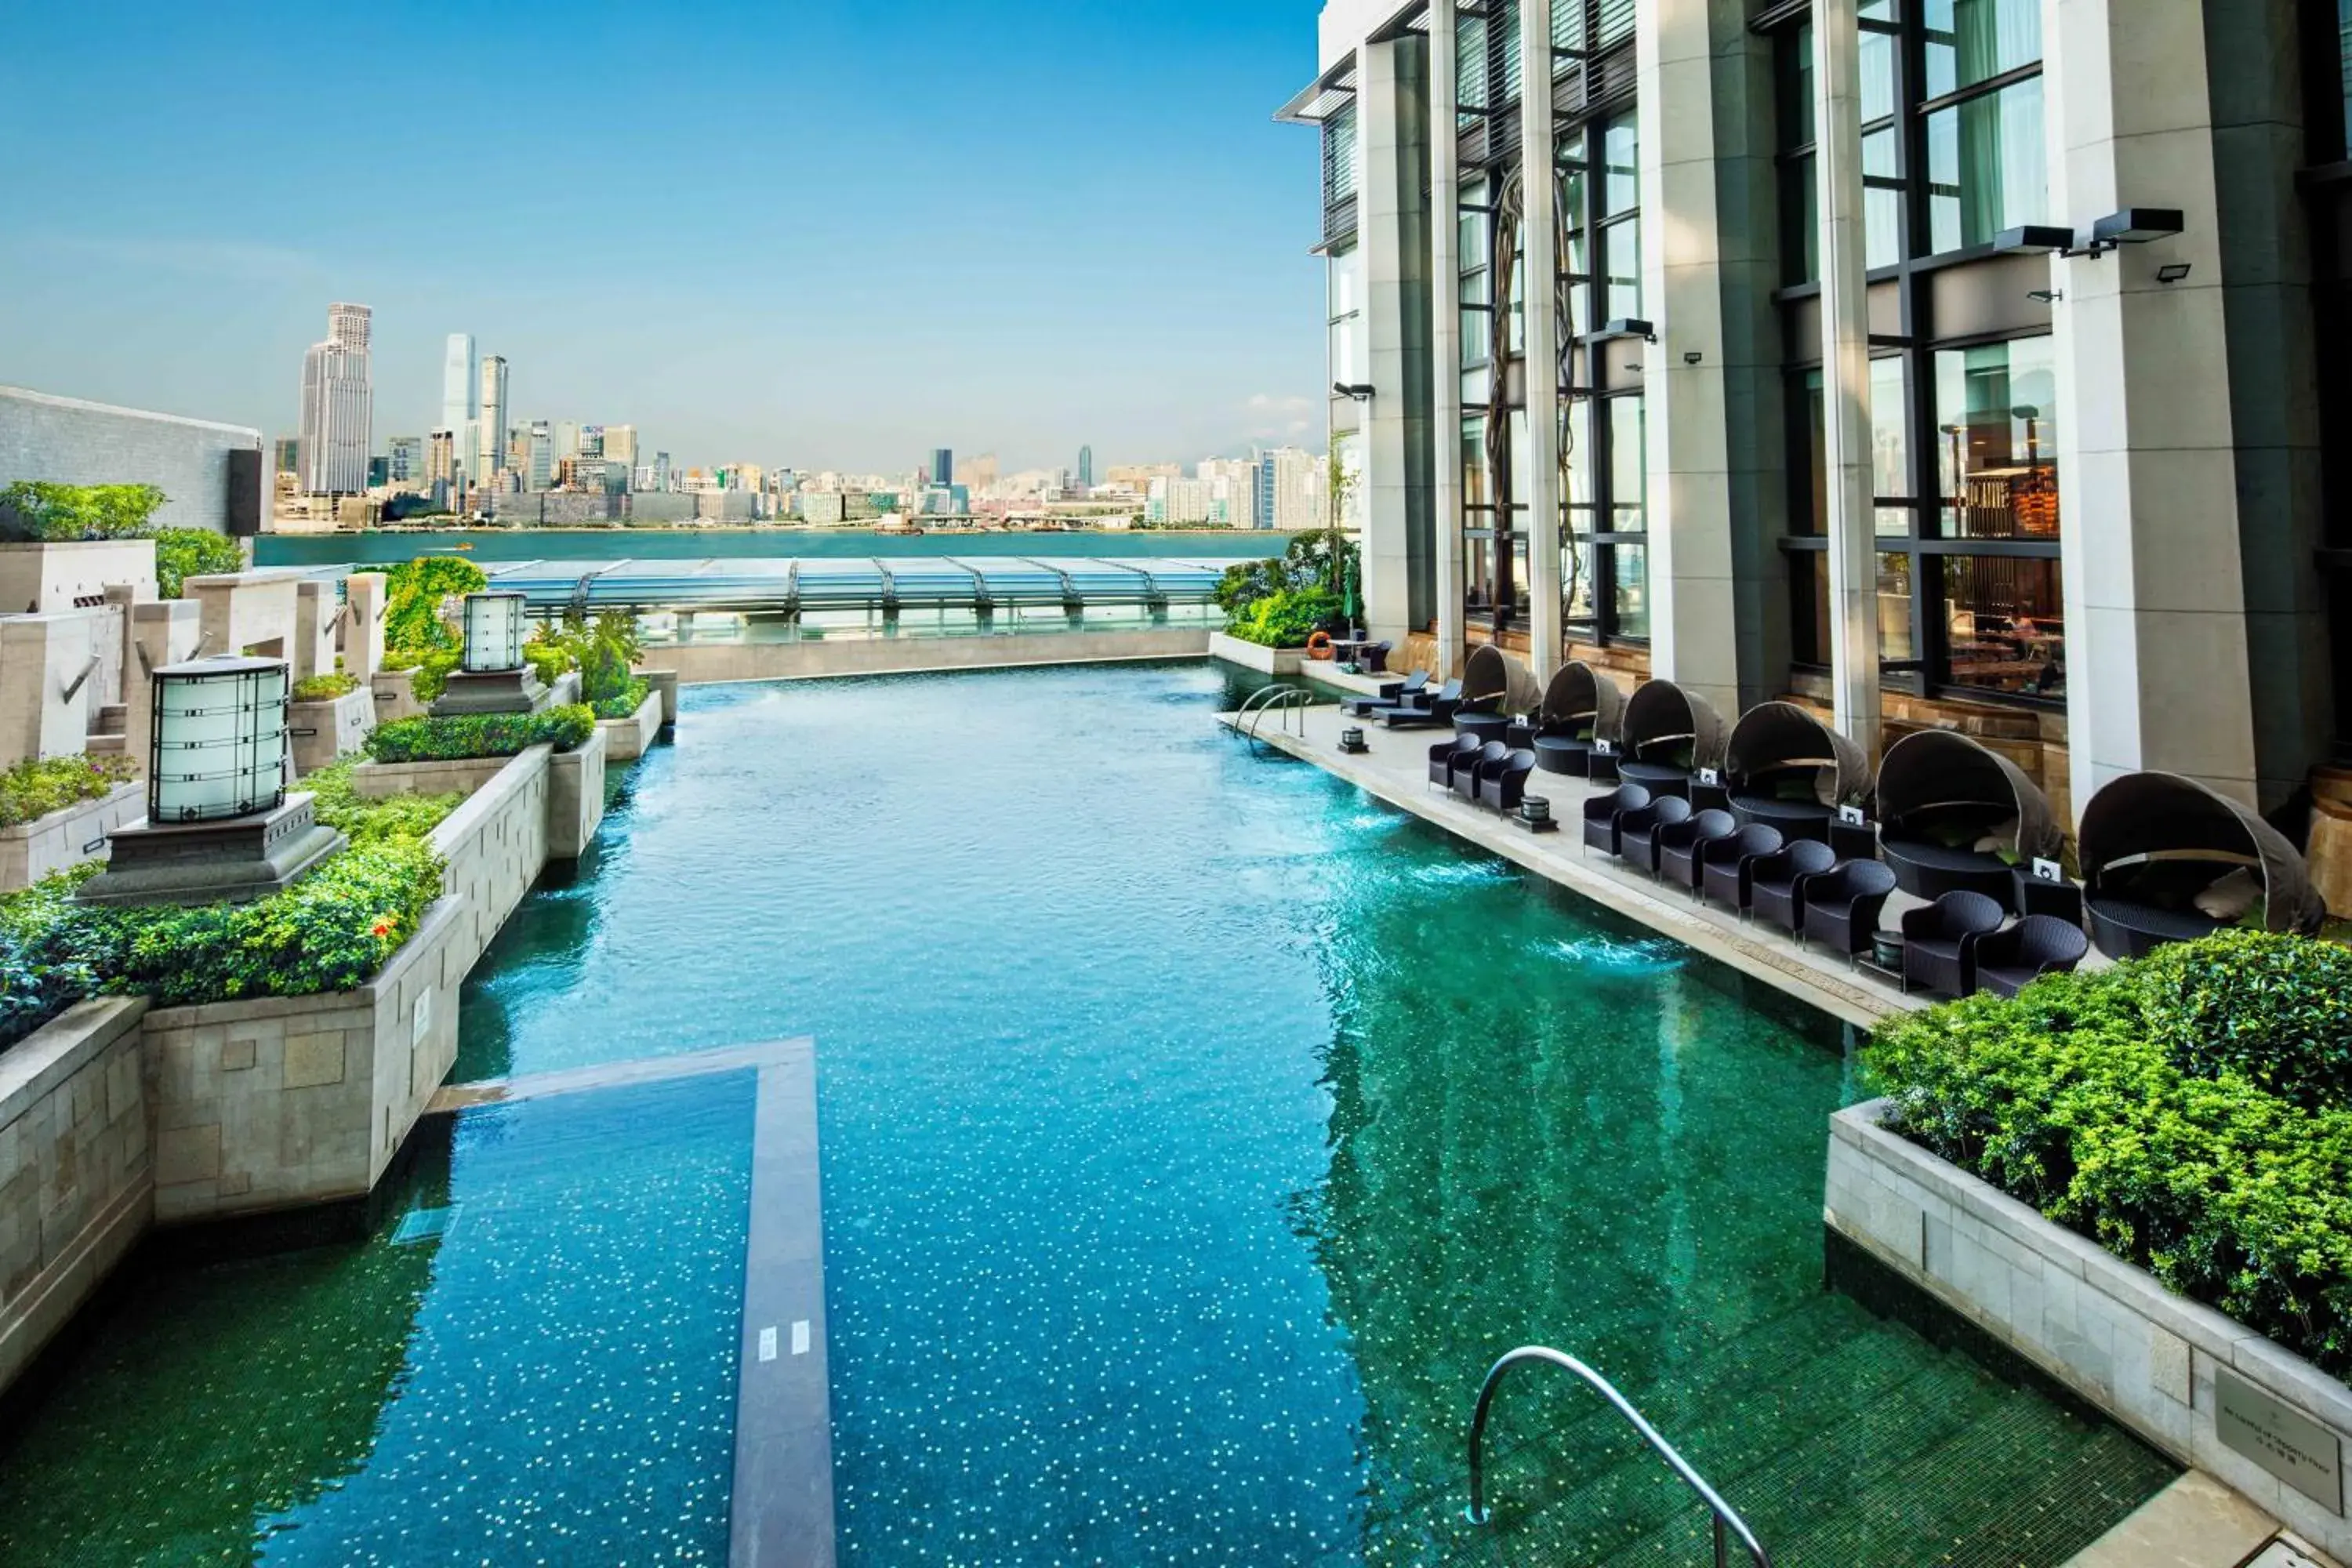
x=1447, y=755
x=1494, y=682
x=1407, y=692
x=1680, y=844
x=2009, y=961
x=1958, y=816
x=1602, y=813
x=1940, y=942
x=1776, y=882
x=1637, y=831
x=1725, y=864
x=1667, y=735
x=1494, y=753
x=1436, y=710
x=1843, y=904
x=1784, y=767
x=2165, y=859
x=1580, y=706
x=1505, y=784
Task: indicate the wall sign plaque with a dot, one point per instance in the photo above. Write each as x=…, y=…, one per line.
x=2280, y=1439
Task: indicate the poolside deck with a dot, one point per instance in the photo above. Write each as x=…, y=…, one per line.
x=1396, y=771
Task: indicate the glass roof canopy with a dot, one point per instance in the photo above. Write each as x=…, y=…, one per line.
x=790, y=584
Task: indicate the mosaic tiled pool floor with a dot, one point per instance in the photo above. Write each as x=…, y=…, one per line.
x=1196, y=1132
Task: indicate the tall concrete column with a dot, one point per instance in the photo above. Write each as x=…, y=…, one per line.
x=1445, y=327
x=365, y=598
x=2158, y=672
x=1538, y=229
x=1845, y=374
x=1393, y=246
x=1693, y=638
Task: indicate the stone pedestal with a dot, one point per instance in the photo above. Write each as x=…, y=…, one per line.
x=236, y=861
x=491, y=692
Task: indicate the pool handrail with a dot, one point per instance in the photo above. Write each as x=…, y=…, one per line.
x=1725, y=1514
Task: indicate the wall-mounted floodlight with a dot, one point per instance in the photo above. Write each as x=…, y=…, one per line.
x=1361, y=391
x=2136, y=226
x=1627, y=327
x=2172, y=272
x=2035, y=239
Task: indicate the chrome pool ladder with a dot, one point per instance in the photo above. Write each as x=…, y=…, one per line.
x=1283, y=702
x=1726, y=1516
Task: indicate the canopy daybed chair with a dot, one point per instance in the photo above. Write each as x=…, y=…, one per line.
x=2166, y=858
x=1580, y=706
x=1784, y=768
x=1957, y=817
x=1666, y=736
x=1494, y=682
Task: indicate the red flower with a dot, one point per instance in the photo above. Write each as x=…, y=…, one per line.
x=382, y=928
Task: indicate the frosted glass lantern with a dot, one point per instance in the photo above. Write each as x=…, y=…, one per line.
x=493, y=632
x=220, y=739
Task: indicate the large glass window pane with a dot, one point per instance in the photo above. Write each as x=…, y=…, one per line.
x=1629, y=590
x=1890, y=445
x=1809, y=608
x=1620, y=154
x=2005, y=625
x=1878, y=76
x=1996, y=414
x=1516, y=599
x=1478, y=571
x=1475, y=491
x=1622, y=244
x=1801, y=221
x=1581, y=458
x=1894, y=640
x=1882, y=226
x=1477, y=325
x=1969, y=41
x=1811, y=511
x=1576, y=577
x=1628, y=464
x=1796, y=86
x=1987, y=167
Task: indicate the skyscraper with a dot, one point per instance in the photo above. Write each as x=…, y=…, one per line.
x=542, y=455
x=621, y=444
x=338, y=406
x=493, y=455
x=1085, y=467
x=460, y=384
x=943, y=466
x=406, y=457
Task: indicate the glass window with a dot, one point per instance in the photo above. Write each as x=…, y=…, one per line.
x=2005, y=622
x=1630, y=588
x=1628, y=463
x=1809, y=608
x=1894, y=640
x=1796, y=86
x=1996, y=414
x=1987, y=168
x=1800, y=248
x=1620, y=151
x=1621, y=243
x=1890, y=445
x=1476, y=492
x=1576, y=583
x=1971, y=41
x=1878, y=76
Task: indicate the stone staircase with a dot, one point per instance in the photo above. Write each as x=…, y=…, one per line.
x=1845, y=1441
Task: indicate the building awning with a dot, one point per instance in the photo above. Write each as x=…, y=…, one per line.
x=1318, y=102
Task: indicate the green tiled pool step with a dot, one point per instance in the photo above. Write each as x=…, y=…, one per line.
x=1845, y=1441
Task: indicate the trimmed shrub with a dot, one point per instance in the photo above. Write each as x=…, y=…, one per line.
x=37, y=511
x=625, y=702
x=323, y=687
x=1286, y=618
x=2070, y=1097
x=32, y=789
x=2275, y=1009
x=413, y=592
x=366, y=819
x=437, y=740
x=603, y=652
x=185, y=552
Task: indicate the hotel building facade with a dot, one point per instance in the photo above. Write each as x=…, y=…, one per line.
x=1977, y=364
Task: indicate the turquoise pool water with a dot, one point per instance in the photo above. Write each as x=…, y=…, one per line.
x=1195, y=1131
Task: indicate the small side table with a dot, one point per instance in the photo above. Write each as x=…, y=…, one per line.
x=2036, y=897
x=1854, y=840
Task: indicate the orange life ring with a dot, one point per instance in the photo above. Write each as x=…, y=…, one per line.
x=1319, y=646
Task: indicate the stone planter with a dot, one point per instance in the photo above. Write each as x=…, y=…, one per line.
x=47, y=844
x=626, y=740
x=76, y=1183
x=2201, y=1386
x=575, y=798
x=325, y=732
x=47, y=579
x=665, y=685
x=461, y=775
x=395, y=695
x=1249, y=656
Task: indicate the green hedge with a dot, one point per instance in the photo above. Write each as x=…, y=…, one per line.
x=625, y=702
x=185, y=552
x=32, y=789
x=37, y=511
x=323, y=687
x=2130, y=1106
x=436, y=740
x=367, y=819
x=1285, y=618
x=413, y=591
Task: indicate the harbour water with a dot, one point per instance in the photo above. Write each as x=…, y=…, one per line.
x=384, y=547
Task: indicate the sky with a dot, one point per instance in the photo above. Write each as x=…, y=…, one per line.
x=829, y=234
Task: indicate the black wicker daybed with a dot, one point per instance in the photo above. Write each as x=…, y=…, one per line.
x=1580, y=707
x=1784, y=768
x=1667, y=735
x=1494, y=682
x=2154, y=846
x=1959, y=817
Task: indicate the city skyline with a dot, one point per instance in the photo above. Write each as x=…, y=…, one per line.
x=752, y=289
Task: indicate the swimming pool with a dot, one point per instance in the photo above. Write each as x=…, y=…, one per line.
x=1195, y=1131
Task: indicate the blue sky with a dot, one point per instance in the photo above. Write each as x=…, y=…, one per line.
x=831, y=235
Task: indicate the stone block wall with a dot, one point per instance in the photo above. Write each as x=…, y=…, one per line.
x=72, y=442
x=49, y=579
x=496, y=845
x=32, y=850
x=575, y=798
x=335, y=729
x=378, y=781
x=42, y=659
x=75, y=1168
x=626, y=740
x=2154, y=1361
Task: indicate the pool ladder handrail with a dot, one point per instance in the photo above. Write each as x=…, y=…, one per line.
x=1725, y=1514
x=1281, y=700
